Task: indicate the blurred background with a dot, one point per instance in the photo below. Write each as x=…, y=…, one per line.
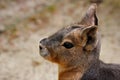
x=24, y=22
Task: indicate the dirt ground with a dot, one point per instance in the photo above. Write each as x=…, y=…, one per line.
x=24, y=23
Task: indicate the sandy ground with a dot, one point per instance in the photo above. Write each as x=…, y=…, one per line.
x=20, y=60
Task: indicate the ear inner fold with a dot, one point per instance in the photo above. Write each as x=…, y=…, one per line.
x=88, y=36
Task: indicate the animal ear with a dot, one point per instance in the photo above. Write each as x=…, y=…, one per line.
x=90, y=18
x=88, y=37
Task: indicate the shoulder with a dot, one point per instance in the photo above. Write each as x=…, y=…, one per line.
x=109, y=71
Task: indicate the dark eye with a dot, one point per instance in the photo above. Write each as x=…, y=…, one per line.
x=68, y=45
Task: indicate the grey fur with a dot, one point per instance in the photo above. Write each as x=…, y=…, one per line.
x=79, y=57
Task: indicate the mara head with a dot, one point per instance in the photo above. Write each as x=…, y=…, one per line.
x=78, y=42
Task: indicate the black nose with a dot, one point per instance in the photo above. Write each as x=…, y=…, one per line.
x=42, y=43
x=41, y=46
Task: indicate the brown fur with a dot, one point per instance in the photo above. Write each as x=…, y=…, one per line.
x=76, y=50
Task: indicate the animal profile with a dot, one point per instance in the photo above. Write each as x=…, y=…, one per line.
x=76, y=50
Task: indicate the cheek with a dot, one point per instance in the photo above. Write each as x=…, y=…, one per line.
x=77, y=50
x=55, y=54
x=60, y=54
x=65, y=56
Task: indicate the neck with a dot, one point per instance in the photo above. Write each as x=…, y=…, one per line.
x=74, y=73
x=79, y=72
x=92, y=72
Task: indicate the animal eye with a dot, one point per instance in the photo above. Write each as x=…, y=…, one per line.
x=68, y=45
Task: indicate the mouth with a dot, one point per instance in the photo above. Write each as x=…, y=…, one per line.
x=43, y=51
